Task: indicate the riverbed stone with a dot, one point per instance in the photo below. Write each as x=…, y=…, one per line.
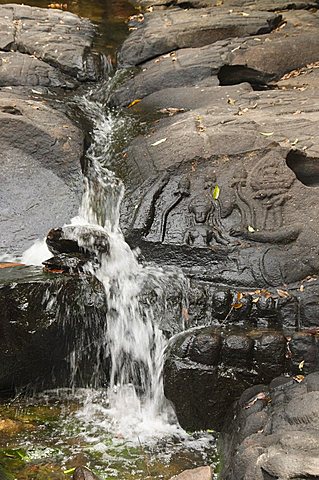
x=186, y=157
x=89, y=239
x=164, y=31
x=202, y=362
x=60, y=39
x=286, y=444
x=17, y=69
x=83, y=473
x=259, y=60
x=41, y=313
x=206, y=370
x=40, y=170
x=270, y=5
x=199, y=473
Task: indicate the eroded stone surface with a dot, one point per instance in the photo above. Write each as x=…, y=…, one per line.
x=17, y=69
x=207, y=369
x=270, y=5
x=61, y=39
x=37, y=327
x=259, y=60
x=200, y=473
x=162, y=32
x=274, y=432
x=41, y=179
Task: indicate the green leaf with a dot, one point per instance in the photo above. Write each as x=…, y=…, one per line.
x=216, y=192
x=17, y=453
x=71, y=470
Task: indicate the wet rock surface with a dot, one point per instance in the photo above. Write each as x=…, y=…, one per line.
x=260, y=59
x=78, y=239
x=274, y=432
x=207, y=369
x=224, y=185
x=38, y=321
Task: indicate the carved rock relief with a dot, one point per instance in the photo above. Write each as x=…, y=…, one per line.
x=245, y=209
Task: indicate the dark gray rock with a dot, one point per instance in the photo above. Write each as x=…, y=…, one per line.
x=183, y=160
x=199, y=473
x=37, y=325
x=207, y=369
x=270, y=5
x=19, y=69
x=162, y=32
x=72, y=263
x=61, y=39
x=83, y=473
x=78, y=238
x=259, y=60
x=281, y=440
x=40, y=170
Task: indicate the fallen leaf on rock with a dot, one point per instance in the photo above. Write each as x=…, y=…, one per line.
x=231, y=101
x=71, y=470
x=241, y=111
x=238, y=304
x=172, y=111
x=61, y=6
x=259, y=396
x=301, y=365
x=53, y=270
x=158, y=142
x=138, y=100
x=299, y=378
x=250, y=229
x=266, y=134
x=11, y=264
x=283, y=293
x=137, y=18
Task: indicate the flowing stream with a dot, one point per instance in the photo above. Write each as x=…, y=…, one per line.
x=132, y=337
x=128, y=431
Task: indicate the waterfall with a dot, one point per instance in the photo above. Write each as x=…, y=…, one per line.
x=131, y=338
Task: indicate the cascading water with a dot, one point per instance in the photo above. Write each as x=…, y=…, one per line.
x=129, y=431
x=131, y=338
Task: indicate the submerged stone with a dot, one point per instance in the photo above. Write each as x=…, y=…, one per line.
x=199, y=473
x=83, y=473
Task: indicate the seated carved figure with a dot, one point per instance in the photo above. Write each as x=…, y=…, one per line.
x=205, y=229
